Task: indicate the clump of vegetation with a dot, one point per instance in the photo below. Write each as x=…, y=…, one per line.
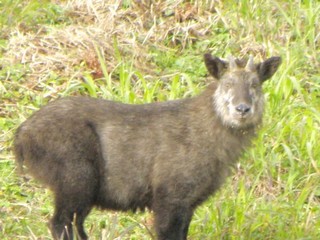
x=145, y=51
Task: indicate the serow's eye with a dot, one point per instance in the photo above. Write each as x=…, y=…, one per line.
x=254, y=85
x=228, y=85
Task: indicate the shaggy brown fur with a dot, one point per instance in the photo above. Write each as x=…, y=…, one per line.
x=168, y=156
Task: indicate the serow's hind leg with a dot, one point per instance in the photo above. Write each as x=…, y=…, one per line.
x=79, y=221
x=61, y=224
x=67, y=218
x=74, y=198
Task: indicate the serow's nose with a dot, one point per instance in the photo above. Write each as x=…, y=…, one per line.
x=243, y=109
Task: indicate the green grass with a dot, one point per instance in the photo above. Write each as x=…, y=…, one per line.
x=274, y=192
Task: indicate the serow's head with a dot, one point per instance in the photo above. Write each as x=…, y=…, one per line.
x=238, y=99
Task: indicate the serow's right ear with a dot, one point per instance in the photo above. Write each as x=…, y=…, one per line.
x=215, y=66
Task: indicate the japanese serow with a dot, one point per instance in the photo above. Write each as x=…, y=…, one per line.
x=167, y=156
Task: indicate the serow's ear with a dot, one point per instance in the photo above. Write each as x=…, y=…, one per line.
x=215, y=66
x=267, y=68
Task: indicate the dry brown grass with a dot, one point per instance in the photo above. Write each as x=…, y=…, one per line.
x=107, y=27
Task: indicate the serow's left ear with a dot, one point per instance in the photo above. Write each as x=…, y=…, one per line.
x=267, y=68
x=216, y=67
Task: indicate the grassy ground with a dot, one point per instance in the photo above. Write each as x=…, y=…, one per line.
x=135, y=52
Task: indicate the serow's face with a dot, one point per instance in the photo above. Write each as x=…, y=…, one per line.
x=238, y=100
